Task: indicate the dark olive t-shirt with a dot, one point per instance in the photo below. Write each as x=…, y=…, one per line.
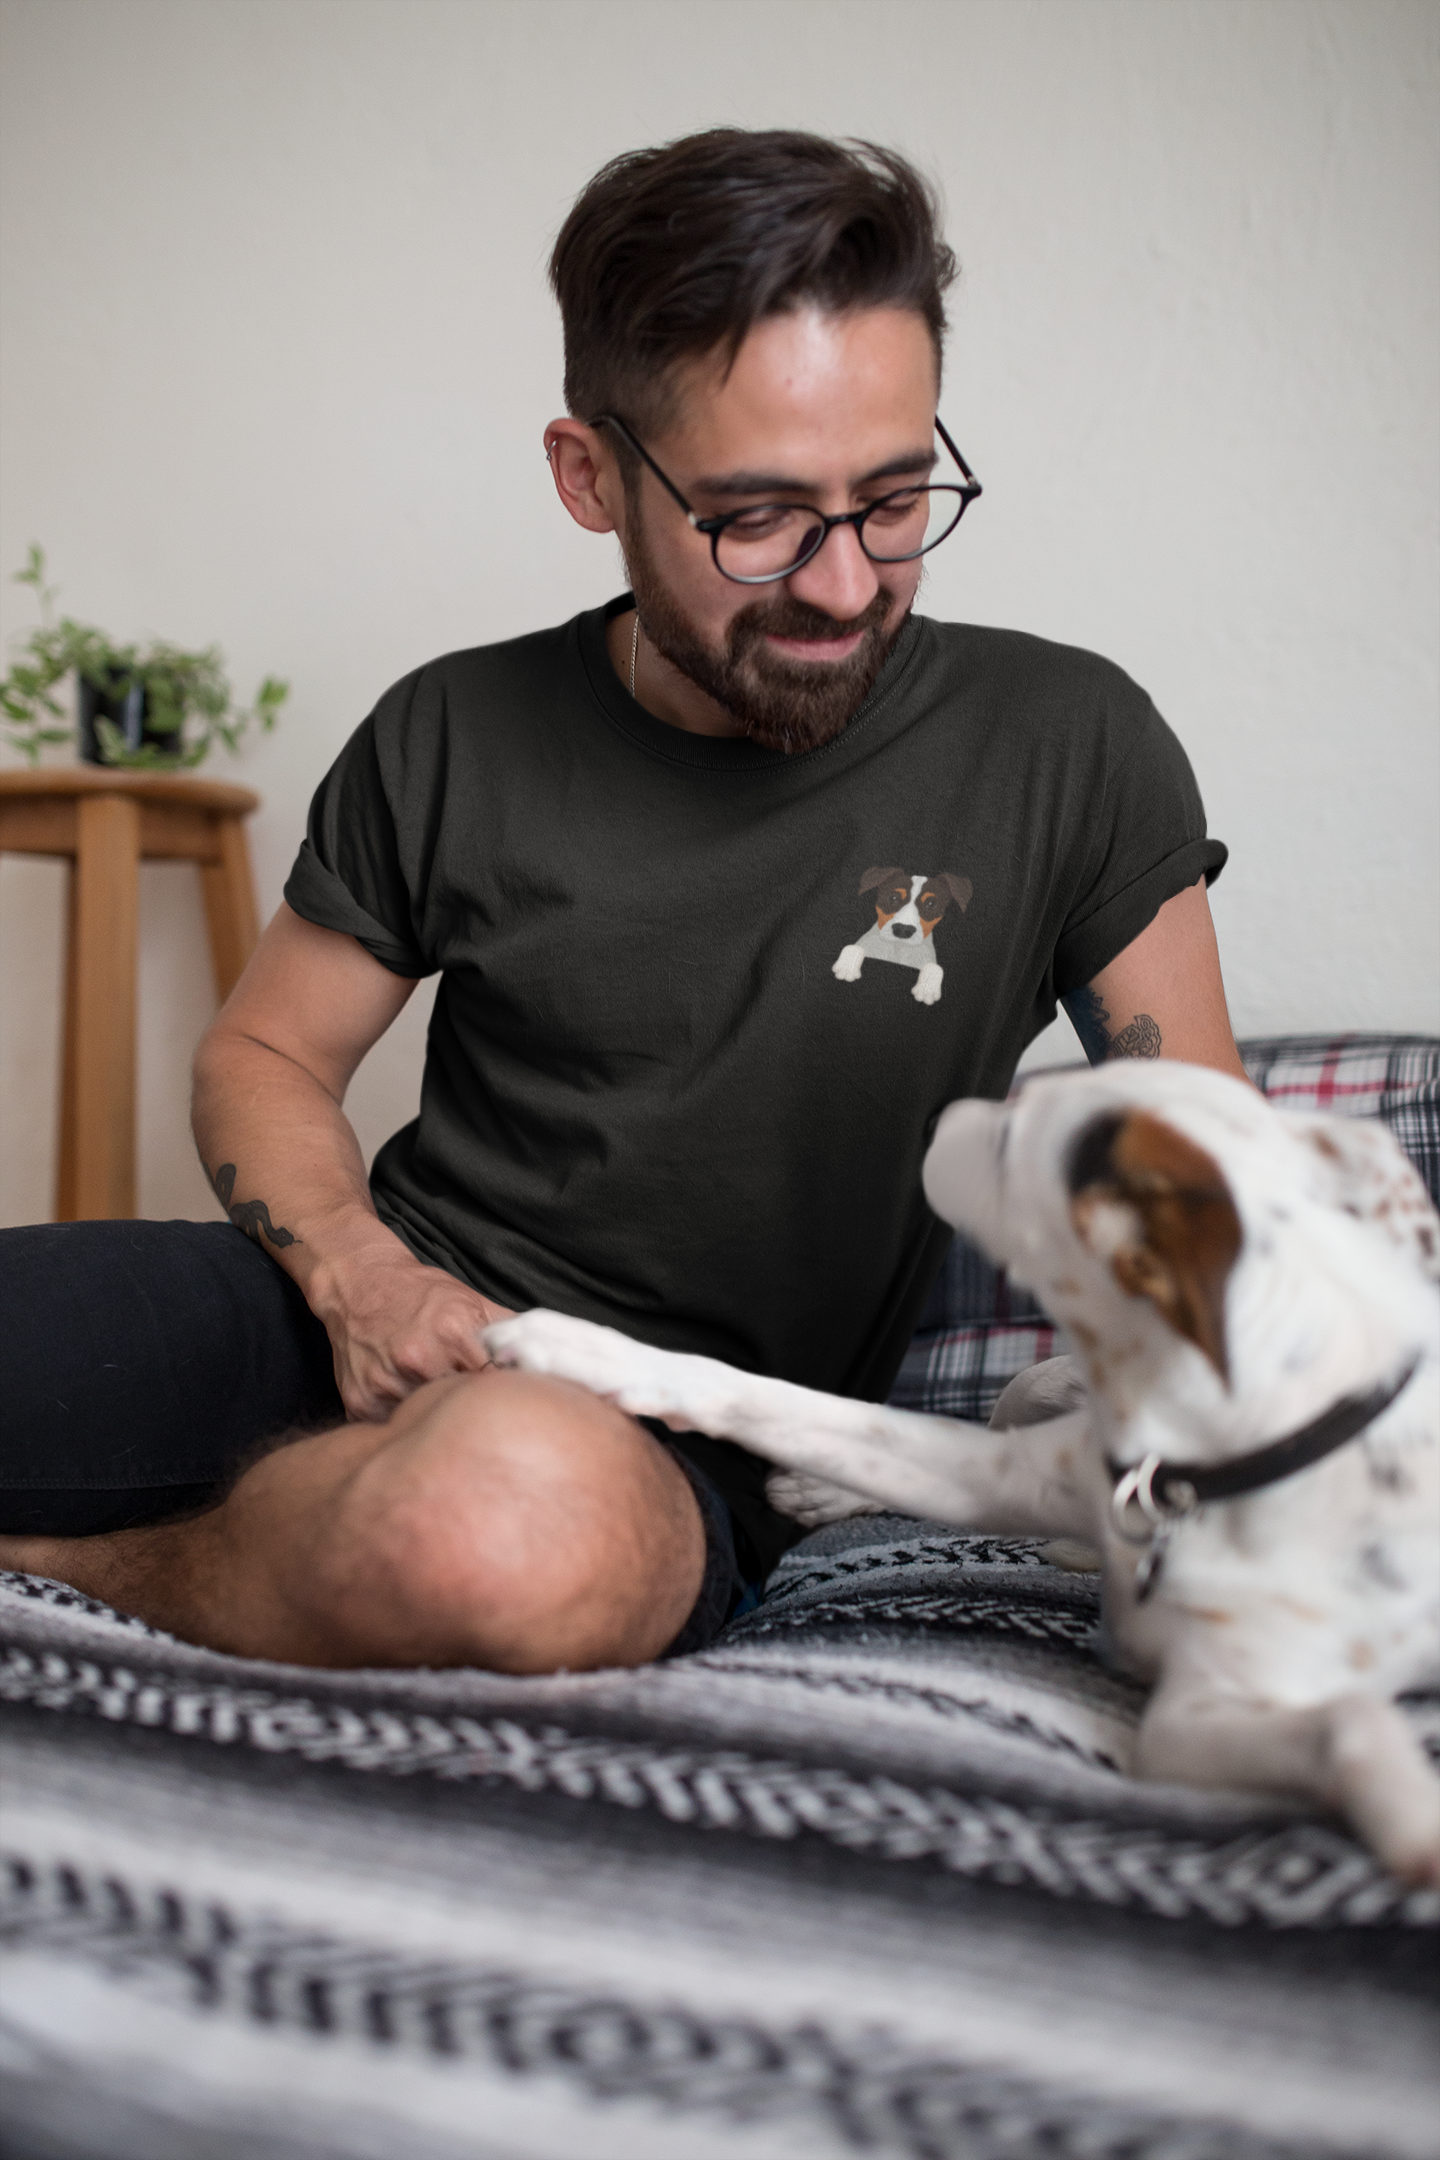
x=648, y=1098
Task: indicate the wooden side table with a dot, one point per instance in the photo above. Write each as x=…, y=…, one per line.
x=106, y=824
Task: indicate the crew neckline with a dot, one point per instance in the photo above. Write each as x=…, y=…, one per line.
x=722, y=753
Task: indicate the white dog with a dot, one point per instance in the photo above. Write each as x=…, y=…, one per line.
x=1254, y=1447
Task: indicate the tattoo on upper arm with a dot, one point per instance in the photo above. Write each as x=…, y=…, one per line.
x=1088, y=1017
x=251, y=1216
x=1141, y=1038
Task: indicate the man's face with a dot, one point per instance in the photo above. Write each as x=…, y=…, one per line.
x=826, y=410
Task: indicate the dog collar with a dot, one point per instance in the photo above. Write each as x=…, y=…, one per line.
x=1165, y=1491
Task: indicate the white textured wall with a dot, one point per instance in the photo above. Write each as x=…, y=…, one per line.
x=278, y=351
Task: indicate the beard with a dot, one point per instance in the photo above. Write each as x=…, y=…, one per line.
x=787, y=705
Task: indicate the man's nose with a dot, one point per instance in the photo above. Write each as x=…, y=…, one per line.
x=840, y=578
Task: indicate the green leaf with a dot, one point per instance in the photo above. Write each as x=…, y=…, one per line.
x=178, y=685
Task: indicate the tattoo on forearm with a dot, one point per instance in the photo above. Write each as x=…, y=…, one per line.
x=1139, y=1039
x=251, y=1216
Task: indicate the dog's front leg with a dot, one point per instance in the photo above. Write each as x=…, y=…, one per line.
x=1029, y=1484
x=1355, y=1754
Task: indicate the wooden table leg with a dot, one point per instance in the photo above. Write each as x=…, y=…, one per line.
x=101, y=996
x=230, y=905
x=65, y=1157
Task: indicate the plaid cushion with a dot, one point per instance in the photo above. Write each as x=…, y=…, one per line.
x=961, y=1372
x=977, y=1331
x=1393, y=1077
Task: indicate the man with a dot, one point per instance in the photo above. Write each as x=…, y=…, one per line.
x=731, y=885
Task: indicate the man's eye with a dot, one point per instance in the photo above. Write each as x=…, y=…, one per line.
x=895, y=509
x=761, y=524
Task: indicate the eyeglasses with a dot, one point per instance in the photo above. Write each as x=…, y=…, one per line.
x=774, y=540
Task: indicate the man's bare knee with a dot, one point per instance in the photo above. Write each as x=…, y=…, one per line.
x=514, y=1523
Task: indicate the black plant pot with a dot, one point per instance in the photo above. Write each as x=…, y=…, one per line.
x=127, y=712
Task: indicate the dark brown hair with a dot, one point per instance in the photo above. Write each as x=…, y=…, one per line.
x=679, y=251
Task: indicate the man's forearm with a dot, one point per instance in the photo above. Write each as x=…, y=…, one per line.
x=270, y=1081
x=284, y=1162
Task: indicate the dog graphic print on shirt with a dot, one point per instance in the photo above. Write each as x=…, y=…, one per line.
x=908, y=905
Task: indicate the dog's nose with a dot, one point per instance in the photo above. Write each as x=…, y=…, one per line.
x=902, y=929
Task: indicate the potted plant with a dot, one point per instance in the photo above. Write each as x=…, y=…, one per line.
x=153, y=706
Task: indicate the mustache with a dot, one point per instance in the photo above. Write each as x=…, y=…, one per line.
x=787, y=617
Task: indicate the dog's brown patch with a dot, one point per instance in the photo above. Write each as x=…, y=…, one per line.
x=936, y=895
x=1183, y=1233
x=891, y=887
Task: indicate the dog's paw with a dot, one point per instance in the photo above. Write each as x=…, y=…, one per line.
x=1410, y=1848
x=927, y=988
x=847, y=967
x=1378, y=1771
x=599, y=1358
x=1076, y=1555
x=690, y=1394
x=813, y=1500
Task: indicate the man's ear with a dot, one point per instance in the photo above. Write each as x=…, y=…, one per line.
x=872, y=878
x=586, y=475
x=1156, y=1207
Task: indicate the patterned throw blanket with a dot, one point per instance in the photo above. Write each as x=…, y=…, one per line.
x=864, y=1878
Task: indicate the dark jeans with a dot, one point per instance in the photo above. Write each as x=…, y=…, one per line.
x=144, y=1365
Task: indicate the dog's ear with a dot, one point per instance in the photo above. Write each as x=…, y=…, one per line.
x=1156, y=1207
x=1367, y=1174
x=960, y=889
x=872, y=878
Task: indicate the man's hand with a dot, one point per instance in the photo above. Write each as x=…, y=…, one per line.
x=394, y=1323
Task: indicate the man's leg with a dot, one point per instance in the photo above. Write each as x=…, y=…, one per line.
x=498, y=1520
x=142, y=1364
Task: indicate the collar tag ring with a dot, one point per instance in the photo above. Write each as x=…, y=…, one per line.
x=1137, y=1488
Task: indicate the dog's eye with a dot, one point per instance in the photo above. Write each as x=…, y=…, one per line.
x=930, y=905
x=894, y=898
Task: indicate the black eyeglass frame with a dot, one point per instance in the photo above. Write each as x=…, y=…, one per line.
x=714, y=527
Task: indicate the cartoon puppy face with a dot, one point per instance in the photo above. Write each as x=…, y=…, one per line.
x=908, y=906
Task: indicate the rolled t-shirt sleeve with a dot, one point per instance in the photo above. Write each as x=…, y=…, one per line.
x=1149, y=843
x=349, y=875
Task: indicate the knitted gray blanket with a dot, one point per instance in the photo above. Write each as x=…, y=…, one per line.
x=865, y=1877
